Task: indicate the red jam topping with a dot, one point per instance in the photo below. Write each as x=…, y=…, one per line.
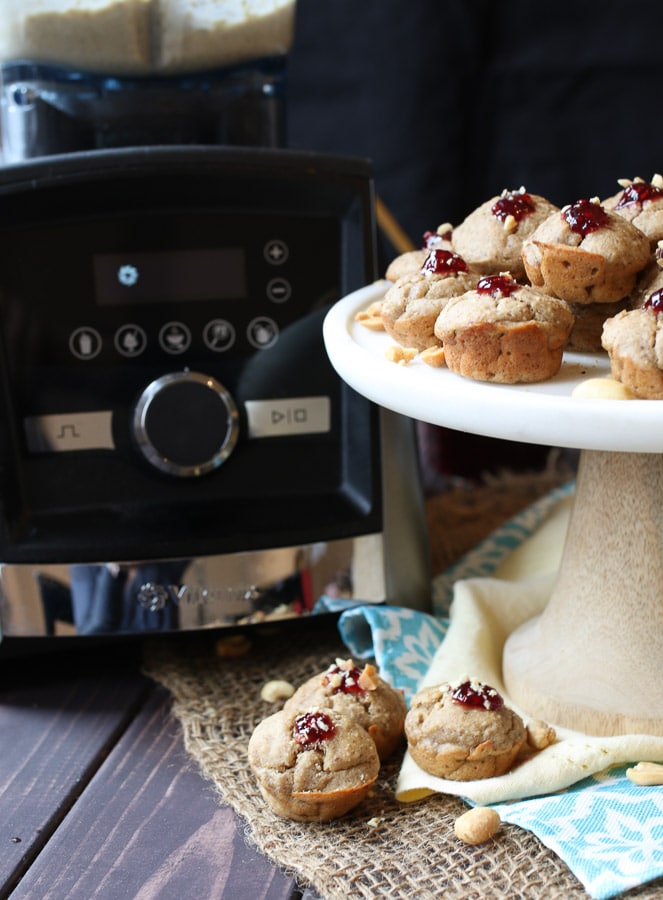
x=654, y=302
x=497, y=285
x=443, y=262
x=312, y=728
x=638, y=192
x=343, y=681
x=513, y=203
x=433, y=239
x=583, y=217
x=477, y=695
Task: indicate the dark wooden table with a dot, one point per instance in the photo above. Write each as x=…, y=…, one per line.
x=98, y=798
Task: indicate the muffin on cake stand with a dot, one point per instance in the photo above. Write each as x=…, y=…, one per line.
x=591, y=661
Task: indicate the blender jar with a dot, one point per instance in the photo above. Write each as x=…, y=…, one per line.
x=83, y=74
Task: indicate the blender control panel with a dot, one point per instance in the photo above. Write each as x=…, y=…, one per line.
x=161, y=295
x=165, y=380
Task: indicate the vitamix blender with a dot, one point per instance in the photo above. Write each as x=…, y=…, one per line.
x=176, y=452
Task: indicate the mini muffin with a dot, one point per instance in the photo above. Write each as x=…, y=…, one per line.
x=504, y=332
x=587, y=333
x=587, y=328
x=411, y=306
x=649, y=280
x=312, y=765
x=463, y=731
x=360, y=693
x=634, y=342
x=586, y=254
x=412, y=260
x=405, y=264
x=490, y=239
x=640, y=202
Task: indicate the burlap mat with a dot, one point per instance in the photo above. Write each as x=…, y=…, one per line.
x=383, y=848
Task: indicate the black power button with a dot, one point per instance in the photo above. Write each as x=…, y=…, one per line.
x=186, y=423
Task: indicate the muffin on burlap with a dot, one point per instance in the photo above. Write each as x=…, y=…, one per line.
x=312, y=765
x=504, y=332
x=490, y=238
x=463, y=731
x=358, y=693
x=410, y=306
x=586, y=254
x=634, y=342
x=412, y=260
x=640, y=202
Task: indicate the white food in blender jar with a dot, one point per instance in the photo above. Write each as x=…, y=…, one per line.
x=96, y=35
x=209, y=33
x=144, y=36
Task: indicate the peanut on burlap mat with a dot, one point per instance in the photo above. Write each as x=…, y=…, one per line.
x=381, y=849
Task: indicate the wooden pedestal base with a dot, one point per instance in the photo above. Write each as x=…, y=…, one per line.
x=593, y=660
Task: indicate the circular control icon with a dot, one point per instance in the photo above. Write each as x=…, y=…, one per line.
x=186, y=423
x=219, y=335
x=85, y=342
x=130, y=340
x=175, y=337
x=279, y=290
x=262, y=332
x=276, y=252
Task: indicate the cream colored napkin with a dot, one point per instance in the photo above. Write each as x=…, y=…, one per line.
x=484, y=613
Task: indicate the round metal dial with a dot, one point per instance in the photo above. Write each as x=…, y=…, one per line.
x=186, y=423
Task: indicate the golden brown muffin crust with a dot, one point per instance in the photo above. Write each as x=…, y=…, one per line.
x=599, y=267
x=505, y=339
x=458, y=742
x=411, y=306
x=312, y=782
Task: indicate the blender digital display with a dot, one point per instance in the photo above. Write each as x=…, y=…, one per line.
x=169, y=276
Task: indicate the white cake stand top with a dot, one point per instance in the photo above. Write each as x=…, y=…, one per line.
x=544, y=413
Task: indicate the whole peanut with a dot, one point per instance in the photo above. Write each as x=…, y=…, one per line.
x=273, y=691
x=646, y=773
x=477, y=825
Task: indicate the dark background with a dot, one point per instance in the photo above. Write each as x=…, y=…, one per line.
x=454, y=100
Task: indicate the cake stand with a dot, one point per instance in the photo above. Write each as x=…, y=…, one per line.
x=593, y=660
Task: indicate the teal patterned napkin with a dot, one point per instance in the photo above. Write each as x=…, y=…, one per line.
x=607, y=830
